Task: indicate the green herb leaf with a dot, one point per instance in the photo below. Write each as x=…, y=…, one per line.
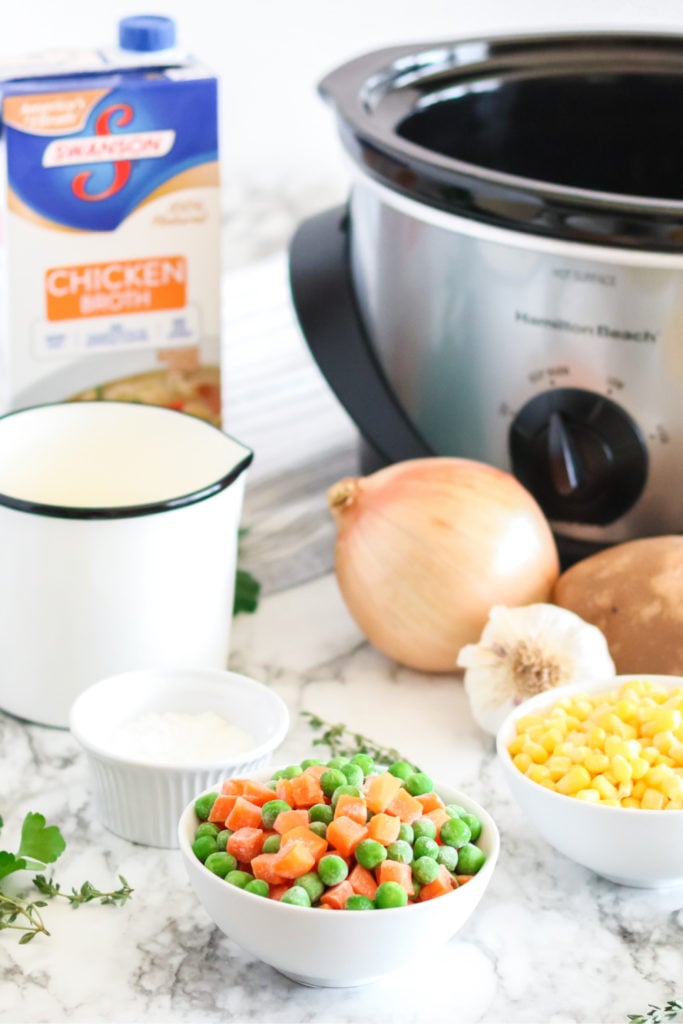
x=38, y=842
x=9, y=862
x=344, y=742
x=247, y=592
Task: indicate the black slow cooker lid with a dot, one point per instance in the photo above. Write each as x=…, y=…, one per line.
x=575, y=136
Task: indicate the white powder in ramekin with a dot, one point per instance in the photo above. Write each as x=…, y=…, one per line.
x=180, y=738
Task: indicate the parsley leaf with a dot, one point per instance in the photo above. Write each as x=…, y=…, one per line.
x=9, y=862
x=38, y=842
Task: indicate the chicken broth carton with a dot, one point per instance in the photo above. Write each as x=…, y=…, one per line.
x=110, y=227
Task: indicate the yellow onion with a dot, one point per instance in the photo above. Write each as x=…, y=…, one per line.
x=426, y=547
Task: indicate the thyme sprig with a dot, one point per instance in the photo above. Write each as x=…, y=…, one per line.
x=658, y=1014
x=22, y=916
x=344, y=742
x=86, y=893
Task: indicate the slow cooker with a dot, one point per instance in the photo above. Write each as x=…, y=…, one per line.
x=506, y=280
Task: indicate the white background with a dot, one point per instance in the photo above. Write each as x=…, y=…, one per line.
x=277, y=135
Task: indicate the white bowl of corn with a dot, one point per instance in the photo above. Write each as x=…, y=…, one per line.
x=598, y=770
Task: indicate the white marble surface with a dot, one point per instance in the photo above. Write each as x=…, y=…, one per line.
x=549, y=944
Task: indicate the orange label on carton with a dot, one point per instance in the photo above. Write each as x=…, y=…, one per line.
x=119, y=286
x=51, y=113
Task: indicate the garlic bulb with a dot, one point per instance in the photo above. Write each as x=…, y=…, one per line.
x=524, y=651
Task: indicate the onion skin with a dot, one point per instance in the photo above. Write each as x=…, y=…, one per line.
x=426, y=547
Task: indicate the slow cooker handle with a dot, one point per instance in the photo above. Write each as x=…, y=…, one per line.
x=325, y=304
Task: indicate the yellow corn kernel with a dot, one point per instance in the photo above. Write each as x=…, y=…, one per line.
x=649, y=728
x=658, y=775
x=564, y=749
x=630, y=801
x=639, y=767
x=629, y=731
x=597, y=762
x=595, y=737
x=526, y=722
x=576, y=778
x=611, y=723
x=609, y=803
x=676, y=753
x=579, y=753
x=631, y=749
x=626, y=709
x=624, y=789
x=604, y=787
x=550, y=738
x=515, y=746
x=621, y=767
x=591, y=796
x=653, y=800
x=667, y=719
x=613, y=745
x=582, y=709
x=674, y=805
x=537, y=753
x=639, y=788
x=651, y=754
x=521, y=761
x=673, y=787
x=557, y=766
x=537, y=773
x=663, y=741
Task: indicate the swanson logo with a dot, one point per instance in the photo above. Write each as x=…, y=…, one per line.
x=105, y=147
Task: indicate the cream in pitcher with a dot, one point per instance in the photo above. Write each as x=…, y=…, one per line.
x=110, y=226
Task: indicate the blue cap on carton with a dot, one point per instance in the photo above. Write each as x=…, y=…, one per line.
x=146, y=32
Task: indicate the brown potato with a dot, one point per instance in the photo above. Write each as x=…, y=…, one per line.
x=634, y=593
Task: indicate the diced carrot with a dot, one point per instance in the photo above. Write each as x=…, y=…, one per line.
x=278, y=891
x=344, y=834
x=430, y=801
x=438, y=816
x=442, y=884
x=335, y=898
x=257, y=793
x=263, y=867
x=289, y=819
x=233, y=787
x=384, y=828
x=316, y=770
x=461, y=879
x=243, y=815
x=315, y=843
x=352, y=807
x=406, y=807
x=380, y=790
x=396, y=871
x=283, y=791
x=293, y=860
x=306, y=791
x=222, y=806
x=245, y=843
x=363, y=882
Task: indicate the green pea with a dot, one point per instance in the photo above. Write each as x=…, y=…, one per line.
x=390, y=894
x=319, y=827
x=279, y=774
x=292, y=771
x=239, y=878
x=258, y=887
x=297, y=896
x=425, y=847
x=369, y=853
x=424, y=827
x=401, y=851
x=271, y=844
x=222, y=838
x=351, y=790
x=353, y=773
x=470, y=859
x=332, y=869
x=455, y=832
x=331, y=779
x=474, y=825
x=204, y=846
x=425, y=870
x=406, y=833
x=364, y=761
x=310, y=761
x=455, y=810
x=270, y=811
x=321, y=812
x=207, y=828
x=203, y=805
x=401, y=769
x=448, y=856
x=220, y=863
x=338, y=762
x=312, y=884
x=359, y=903
x=418, y=783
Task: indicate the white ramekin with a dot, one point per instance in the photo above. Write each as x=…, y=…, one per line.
x=142, y=801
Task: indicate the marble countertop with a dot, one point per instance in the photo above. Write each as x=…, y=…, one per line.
x=549, y=944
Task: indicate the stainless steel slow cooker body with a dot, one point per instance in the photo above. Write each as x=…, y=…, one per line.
x=512, y=257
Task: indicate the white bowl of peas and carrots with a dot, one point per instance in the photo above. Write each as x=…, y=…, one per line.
x=598, y=771
x=338, y=873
